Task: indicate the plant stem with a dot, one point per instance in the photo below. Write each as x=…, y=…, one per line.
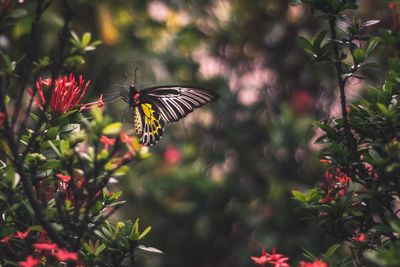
x=342, y=85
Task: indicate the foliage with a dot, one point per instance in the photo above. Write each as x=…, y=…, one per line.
x=357, y=201
x=57, y=160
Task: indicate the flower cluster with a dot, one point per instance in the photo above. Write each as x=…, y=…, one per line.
x=44, y=248
x=280, y=260
x=18, y=235
x=124, y=138
x=336, y=183
x=316, y=263
x=67, y=93
x=273, y=258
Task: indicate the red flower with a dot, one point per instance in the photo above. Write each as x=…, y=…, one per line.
x=63, y=178
x=99, y=103
x=316, y=263
x=276, y=260
x=394, y=6
x=125, y=138
x=5, y=240
x=302, y=101
x=23, y=235
x=360, y=237
x=64, y=255
x=172, y=155
x=29, y=262
x=45, y=246
x=371, y=171
x=325, y=161
x=107, y=141
x=66, y=95
x=2, y=118
x=337, y=184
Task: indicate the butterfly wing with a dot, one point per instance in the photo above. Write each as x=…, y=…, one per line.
x=175, y=102
x=149, y=124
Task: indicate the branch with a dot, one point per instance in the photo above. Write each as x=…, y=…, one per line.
x=40, y=8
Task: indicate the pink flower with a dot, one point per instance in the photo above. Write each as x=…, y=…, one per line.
x=316, y=263
x=29, y=262
x=66, y=95
x=107, y=141
x=64, y=255
x=45, y=246
x=172, y=155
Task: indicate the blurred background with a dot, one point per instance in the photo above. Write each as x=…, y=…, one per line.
x=217, y=187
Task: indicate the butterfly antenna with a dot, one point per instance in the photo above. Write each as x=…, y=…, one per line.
x=120, y=85
x=127, y=76
x=111, y=99
x=124, y=114
x=111, y=94
x=134, y=84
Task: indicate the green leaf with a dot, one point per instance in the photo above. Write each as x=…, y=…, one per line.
x=358, y=55
x=75, y=36
x=384, y=110
x=375, y=155
x=71, y=127
x=100, y=249
x=65, y=148
x=395, y=225
x=112, y=129
x=52, y=132
x=372, y=45
x=12, y=176
x=305, y=44
x=55, y=149
x=97, y=114
x=299, y=196
x=145, y=232
x=86, y=39
x=331, y=250
x=318, y=40
x=121, y=171
x=18, y=13
x=295, y=2
x=51, y=165
x=115, y=196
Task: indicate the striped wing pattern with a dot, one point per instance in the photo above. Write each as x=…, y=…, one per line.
x=175, y=102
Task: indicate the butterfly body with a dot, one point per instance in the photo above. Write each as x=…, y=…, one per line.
x=156, y=106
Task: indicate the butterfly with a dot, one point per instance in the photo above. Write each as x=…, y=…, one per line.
x=156, y=106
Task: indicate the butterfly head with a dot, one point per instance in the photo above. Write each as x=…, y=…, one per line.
x=133, y=96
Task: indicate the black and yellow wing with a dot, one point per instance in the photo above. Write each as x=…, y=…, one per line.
x=159, y=105
x=149, y=124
